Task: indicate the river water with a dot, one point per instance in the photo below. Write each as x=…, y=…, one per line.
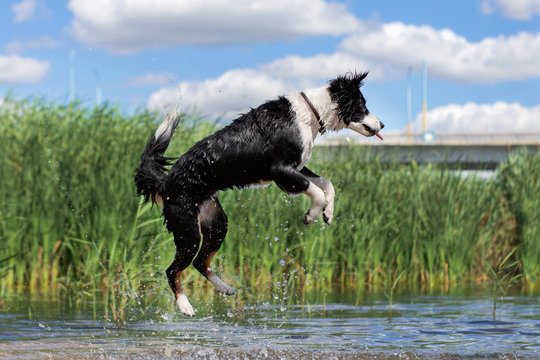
x=336, y=326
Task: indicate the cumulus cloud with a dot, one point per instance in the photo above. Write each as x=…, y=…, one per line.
x=238, y=89
x=500, y=117
x=24, y=10
x=308, y=71
x=124, y=26
x=17, y=69
x=515, y=9
x=448, y=55
x=149, y=79
x=388, y=52
x=18, y=46
x=229, y=94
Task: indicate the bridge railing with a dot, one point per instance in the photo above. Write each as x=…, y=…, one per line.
x=436, y=138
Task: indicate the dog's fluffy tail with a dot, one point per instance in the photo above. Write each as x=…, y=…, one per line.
x=150, y=175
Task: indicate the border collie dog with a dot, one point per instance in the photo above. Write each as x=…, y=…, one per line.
x=272, y=142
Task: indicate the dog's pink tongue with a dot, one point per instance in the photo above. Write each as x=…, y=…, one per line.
x=379, y=136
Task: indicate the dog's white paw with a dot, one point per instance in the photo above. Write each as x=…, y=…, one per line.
x=182, y=303
x=328, y=215
x=309, y=219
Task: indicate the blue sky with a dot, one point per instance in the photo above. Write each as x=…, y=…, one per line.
x=223, y=56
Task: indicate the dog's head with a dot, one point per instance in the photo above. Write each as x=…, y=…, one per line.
x=351, y=104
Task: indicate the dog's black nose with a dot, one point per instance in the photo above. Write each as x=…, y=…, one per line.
x=382, y=125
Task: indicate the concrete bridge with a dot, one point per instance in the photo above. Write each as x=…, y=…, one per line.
x=472, y=151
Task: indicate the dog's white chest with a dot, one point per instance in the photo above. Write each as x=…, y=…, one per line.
x=307, y=144
x=307, y=126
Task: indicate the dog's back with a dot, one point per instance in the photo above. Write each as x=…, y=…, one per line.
x=241, y=154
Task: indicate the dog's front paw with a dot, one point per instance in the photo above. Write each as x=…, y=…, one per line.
x=328, y=212
x=182, y=303
x=309, y=219
x=328, y=215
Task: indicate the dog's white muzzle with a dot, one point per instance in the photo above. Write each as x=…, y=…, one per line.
x=368, y=126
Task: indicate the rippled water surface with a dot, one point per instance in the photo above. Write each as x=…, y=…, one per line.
x=337, y=327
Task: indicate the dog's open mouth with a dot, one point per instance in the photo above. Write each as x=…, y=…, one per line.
x=372, y=132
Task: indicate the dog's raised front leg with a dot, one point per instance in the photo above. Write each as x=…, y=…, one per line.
x=329, y=193
x=292, y=181
x=317, y=202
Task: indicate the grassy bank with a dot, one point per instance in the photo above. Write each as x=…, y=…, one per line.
x=69, y=217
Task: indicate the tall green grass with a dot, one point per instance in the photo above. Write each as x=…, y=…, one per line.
x=519, y=181
x=70, y=220
x=432, y=224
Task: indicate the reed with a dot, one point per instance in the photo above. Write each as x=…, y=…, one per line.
x=519, y=182
x=70, y=220
x=503, y=277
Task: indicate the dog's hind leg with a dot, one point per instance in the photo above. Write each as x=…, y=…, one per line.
x=329, y=193
x=214, y=228
x=293, y=181
x=182, y=222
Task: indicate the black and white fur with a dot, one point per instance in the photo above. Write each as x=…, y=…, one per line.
x=272, y=142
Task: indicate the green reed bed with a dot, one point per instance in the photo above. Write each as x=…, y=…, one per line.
x=519, y=182
x=434, y=225
x=70, y=220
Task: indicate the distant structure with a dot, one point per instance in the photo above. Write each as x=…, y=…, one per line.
x=71, y=96
x=98, y=87
x=424, y=97
x=468, y=150
x=409, y=104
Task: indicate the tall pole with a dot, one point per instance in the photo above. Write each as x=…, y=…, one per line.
x=71, y=96
x=409, y=106
x=98, y=88
x=424, y=96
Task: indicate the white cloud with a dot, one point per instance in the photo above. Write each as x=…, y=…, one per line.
x=24, y=10
x=448, y=55
x=515, y=9
x=236, y=90
x=230, y=94
x=124, y=26
x=310, y=70
x=150, y=79
x=18, y=46
x=482, y=118
x=387, y=52
x=16, y=69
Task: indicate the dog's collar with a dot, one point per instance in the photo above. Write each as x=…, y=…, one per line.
x=322, y=129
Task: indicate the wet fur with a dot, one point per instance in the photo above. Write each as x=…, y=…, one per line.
x=269, y=143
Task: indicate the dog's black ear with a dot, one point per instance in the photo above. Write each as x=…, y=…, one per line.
x=358, y=79
x=345, y=92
